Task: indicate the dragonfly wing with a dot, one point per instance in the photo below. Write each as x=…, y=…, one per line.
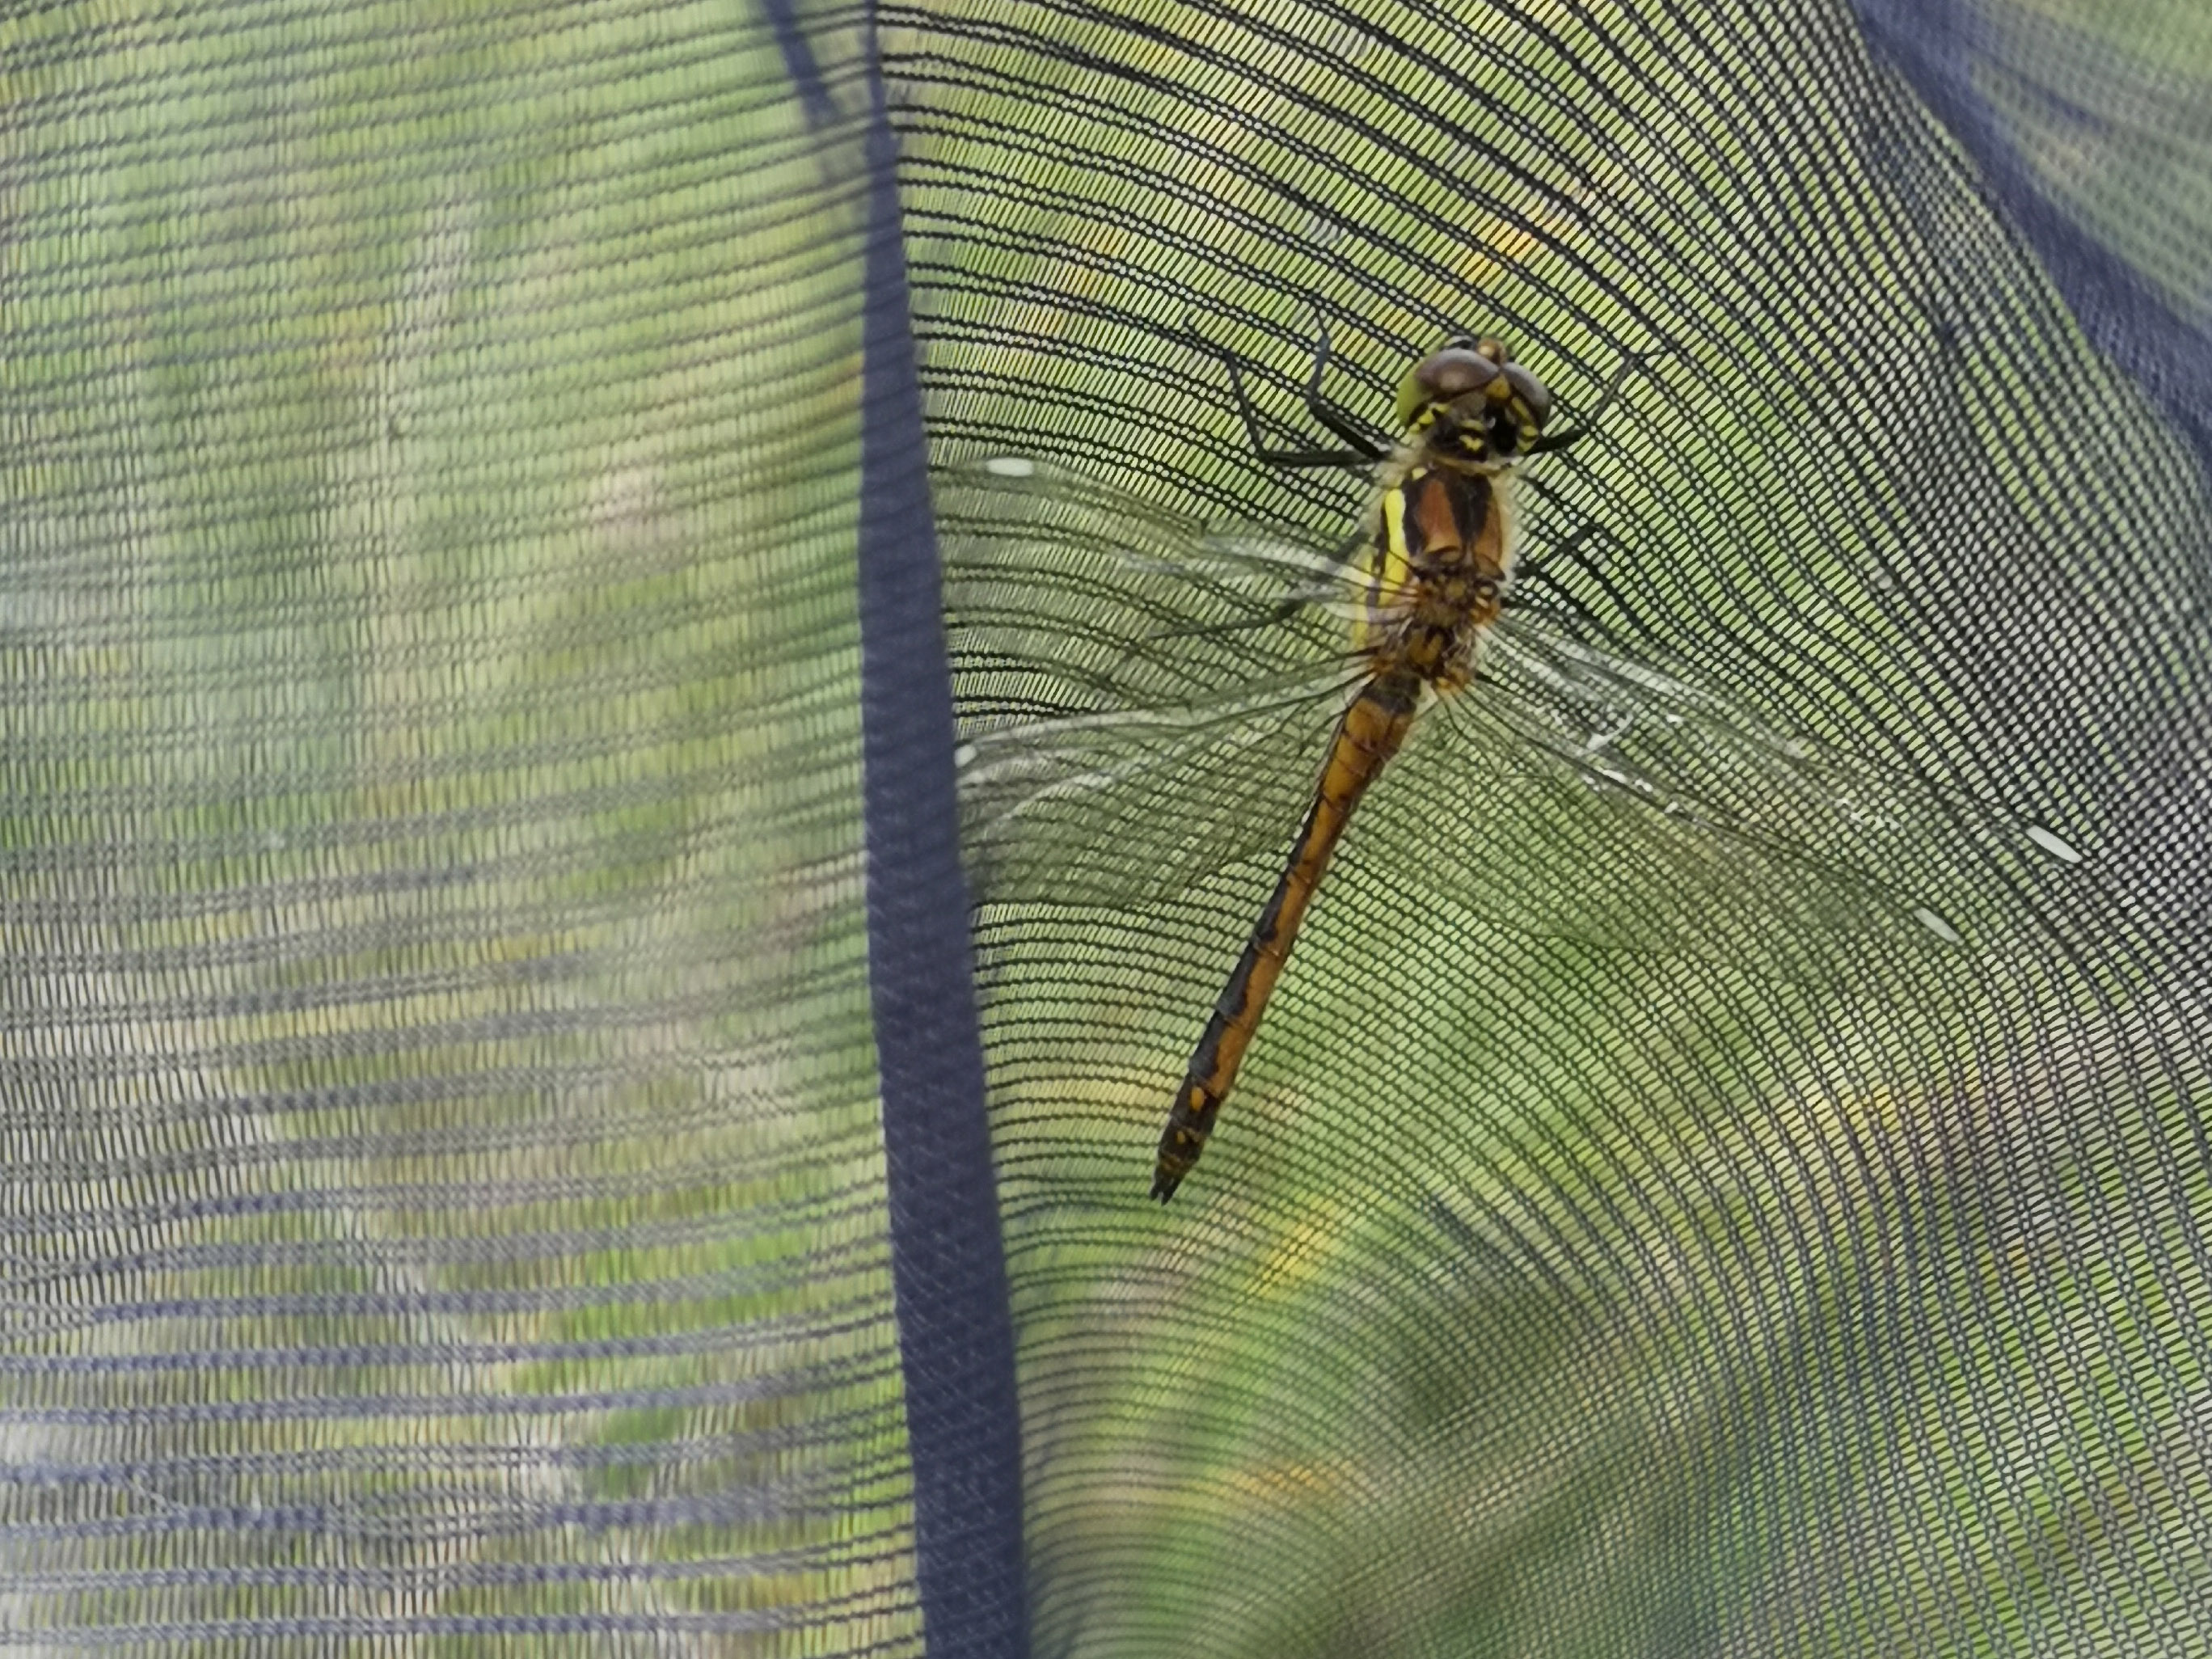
x=1570, y=793
x=1170, y=725
x=1634, y=811
x=1121, y=808
x=1145, y=581
x=1541, y=843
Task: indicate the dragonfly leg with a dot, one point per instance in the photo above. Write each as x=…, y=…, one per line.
x=1539, y=569
x=1327, y=412
x=1631, y=362
x=1292, y=458
x=1545, y=568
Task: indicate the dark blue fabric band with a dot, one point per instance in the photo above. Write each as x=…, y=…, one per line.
x=1937, y=45
x=956, y=1330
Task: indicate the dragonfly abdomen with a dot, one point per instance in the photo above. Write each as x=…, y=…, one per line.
x=1367, y=736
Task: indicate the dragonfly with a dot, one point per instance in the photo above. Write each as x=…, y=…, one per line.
x=1432, y=592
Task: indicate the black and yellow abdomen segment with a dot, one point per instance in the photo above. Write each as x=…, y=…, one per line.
x=1367, y=736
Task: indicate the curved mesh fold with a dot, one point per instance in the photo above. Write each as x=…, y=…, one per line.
x=1608, y=1247
x=487, y=1079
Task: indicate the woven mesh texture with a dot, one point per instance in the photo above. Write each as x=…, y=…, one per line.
x=2113, y=127
x=445, y=1188
x=1723, y=1173
x=1731, y=1180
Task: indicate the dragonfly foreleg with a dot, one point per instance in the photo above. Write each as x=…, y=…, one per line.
x=1328, y=413
x=1293, y=458
x=1631, y=362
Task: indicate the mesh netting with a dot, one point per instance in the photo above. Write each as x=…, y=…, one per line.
x=1722, y=1171
x=445, y=1187
x=487, y=1063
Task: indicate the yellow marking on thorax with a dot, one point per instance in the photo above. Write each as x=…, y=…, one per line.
x=1390, y=575
x=1504, y=521
x=1396, y=567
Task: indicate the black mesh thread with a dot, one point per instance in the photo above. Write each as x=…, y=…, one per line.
x=1610, y=1247
x=445, y=1196
x=449, y=1196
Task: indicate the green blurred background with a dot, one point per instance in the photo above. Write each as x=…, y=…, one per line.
x=447, y=1196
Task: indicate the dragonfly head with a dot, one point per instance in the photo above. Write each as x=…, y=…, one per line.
x=1468, y=399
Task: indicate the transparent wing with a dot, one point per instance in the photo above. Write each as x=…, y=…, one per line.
x=1570, y=793
x=1174, y=722
x=1125, y=807
x=1734, y=809
x=1026, y=540
x=1526, y=813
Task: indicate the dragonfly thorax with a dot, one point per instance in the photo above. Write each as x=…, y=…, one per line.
x=1438, y=567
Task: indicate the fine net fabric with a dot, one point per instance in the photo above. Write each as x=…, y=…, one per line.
x=449, y=1200
x=1772, y=1227
x=444, y=1183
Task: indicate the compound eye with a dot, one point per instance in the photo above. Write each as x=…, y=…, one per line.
x=1441, y=377
x=1536, y=398
x=1453, y=372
